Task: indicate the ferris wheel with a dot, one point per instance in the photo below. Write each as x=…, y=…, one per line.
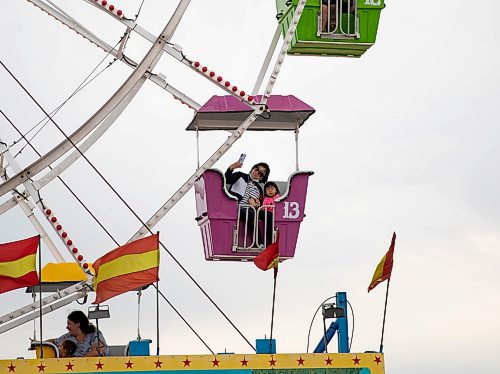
x=340, y=28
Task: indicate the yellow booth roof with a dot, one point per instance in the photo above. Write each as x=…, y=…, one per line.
x=59, y=276
x=63, y=272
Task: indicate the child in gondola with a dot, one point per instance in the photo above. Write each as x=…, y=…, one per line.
x=271, y=192
x=67, y=348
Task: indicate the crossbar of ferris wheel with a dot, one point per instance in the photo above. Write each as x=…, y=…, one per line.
x=236, y=134
x=147, y=64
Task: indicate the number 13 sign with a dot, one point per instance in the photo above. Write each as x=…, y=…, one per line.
x=292, y=210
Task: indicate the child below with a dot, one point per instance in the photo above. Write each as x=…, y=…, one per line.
x=272, y=192
x=67, y=348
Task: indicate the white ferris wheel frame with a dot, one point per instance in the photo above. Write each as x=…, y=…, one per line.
x=104, y=117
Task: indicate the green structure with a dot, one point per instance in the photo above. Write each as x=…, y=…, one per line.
x=350, y=26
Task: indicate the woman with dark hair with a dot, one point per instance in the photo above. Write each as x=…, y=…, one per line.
x=89, y=342
x=247, y=188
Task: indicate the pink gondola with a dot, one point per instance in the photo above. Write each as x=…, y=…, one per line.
x=224, y=235
x=217, y=216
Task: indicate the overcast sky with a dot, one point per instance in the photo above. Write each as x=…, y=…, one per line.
x=404, y=139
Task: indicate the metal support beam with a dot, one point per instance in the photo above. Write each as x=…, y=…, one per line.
x=259, y=109
x=267, y=60
x=147, y=64
x=330, y=332
x=81, y=30
x=35, y=313
x=8, y=205
x=27, y=206
x=91, y=139
x=79, y=287
x=343, y=334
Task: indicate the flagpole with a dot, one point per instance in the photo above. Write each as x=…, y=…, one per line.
x=272, y=312
x=383, y=322
x=139, y=294
x=98, y=334
x=40, y=292
x=33, y=294
x=157, y=320
x=158, y=308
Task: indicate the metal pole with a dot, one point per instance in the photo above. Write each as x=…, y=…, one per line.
x=157, y=320
x=324, y=335
x=197, y=148
x=139, y=294
x=328, y=18
x=383, y=322
x=26, y=206
x=272, y=315
x=267, y=60
x=98, y=333
x=40, y=291
x=297, y=148
x=147, y=64
x=33, y=294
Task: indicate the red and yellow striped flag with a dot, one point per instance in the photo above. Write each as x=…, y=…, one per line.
x=127, y=268
x=384, y=268
x=269, y=258
x=18, y=264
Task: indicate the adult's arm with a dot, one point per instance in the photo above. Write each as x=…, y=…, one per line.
x=98, y=341
x=229, y=172
x=93, y=349
x=232, y=177
x=59, y=340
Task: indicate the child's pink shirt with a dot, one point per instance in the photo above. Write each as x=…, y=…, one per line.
x=270, y=201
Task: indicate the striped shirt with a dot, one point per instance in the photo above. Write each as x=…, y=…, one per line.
x=251, y=191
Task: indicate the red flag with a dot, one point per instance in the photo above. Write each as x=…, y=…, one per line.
x=269, y=258
x=127, y=268
x=384, y=268
x=18, y=264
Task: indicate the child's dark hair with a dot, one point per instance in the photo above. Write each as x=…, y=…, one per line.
x=271, y=184
x=69, y=346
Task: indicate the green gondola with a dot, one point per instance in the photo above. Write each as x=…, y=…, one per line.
x=318, y=32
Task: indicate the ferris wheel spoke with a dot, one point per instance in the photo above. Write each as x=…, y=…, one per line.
x=267, y=60
x=28, y=208
x=8, y=205
x=176, y=52
x=118, y=54
x=147, y=64
x=181, y=192
x=72, y=24
x=91, y=139
x=21, y=199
